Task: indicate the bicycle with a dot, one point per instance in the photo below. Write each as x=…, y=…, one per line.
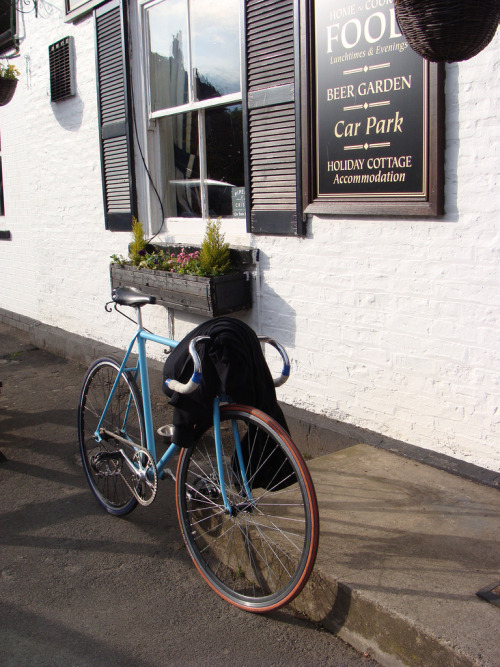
x=255, y=546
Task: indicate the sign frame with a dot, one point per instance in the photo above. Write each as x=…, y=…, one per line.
x=323, y=125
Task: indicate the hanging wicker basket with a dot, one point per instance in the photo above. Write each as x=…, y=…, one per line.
x=7, y=90
x=446, y=31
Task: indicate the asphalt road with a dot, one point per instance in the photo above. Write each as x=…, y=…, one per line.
x=79, y=587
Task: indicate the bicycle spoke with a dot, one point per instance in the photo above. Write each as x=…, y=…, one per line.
x=111, y=481
x=258, y=552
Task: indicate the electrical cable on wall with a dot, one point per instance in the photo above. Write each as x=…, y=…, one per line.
x=136, y=133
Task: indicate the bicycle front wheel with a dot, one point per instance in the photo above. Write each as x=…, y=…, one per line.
x=110, y=479
x=259, y=553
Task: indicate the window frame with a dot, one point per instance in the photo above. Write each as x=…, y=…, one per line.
x=2, y=200
x=8, y=38
x=79, y=8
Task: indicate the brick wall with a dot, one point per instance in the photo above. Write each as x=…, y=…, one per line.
x=392, y=325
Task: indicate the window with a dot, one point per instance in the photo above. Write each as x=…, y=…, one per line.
x=224, y=144
x=8, y=26
x=2, y=207
x=193, y=61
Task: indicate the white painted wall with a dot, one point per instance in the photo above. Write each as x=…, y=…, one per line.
x=392, y=324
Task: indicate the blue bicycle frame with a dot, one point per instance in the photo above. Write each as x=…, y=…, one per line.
x=141, y=370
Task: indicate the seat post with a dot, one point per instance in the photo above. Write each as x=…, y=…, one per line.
x=146, y=395
x=139, y=317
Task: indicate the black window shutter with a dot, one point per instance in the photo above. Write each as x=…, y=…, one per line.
x=272, y=117
x=114, y=112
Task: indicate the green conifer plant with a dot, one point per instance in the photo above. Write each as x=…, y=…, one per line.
x=138, y=243
x=215, y=259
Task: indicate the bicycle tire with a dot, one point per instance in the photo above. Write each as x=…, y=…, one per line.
x=109, y=480
x=260, y=557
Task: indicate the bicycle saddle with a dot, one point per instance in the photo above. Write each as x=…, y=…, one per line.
x=131, y=296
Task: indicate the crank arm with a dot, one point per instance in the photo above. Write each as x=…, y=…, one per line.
x=131, y=466
x=143, y=475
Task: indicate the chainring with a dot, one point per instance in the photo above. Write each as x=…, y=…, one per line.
x=144, y=475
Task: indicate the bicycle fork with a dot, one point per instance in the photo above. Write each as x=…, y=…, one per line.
x=230, y=509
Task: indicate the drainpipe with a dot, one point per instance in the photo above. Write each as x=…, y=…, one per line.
x=258, y=287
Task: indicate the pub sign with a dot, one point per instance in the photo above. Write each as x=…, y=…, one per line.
x=374, y=121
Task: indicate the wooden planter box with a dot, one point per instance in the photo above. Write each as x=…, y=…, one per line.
x=194, y=294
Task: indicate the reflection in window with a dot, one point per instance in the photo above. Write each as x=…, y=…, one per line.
x=195, y=96
x=168, y=56
x=224, y=141
x=180, y=155
x=215, y=48
x=2, y=207
x=179, y=151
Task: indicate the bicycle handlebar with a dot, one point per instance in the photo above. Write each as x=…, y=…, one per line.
x=285, y=371
x=195, y=380
x=131, y=296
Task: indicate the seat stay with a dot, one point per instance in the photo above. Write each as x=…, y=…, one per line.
x=122, y=370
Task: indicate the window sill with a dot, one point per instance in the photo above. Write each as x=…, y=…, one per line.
x=82, y=10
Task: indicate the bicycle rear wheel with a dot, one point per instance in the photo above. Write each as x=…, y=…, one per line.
x=110, y=479
x=259, y=555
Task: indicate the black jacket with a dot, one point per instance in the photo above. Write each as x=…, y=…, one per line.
x=232, y=364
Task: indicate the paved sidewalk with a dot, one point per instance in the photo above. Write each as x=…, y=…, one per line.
x=404, y=547
x=404, y=550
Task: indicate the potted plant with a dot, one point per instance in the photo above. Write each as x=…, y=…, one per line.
x=202, y=280
x=448, y=31
x=8, y=82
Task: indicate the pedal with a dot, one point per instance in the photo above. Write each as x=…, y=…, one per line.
x=166, y=433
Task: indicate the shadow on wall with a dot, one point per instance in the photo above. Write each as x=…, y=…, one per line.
x=278, y=319
x=69, y=113
x=270, y=314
